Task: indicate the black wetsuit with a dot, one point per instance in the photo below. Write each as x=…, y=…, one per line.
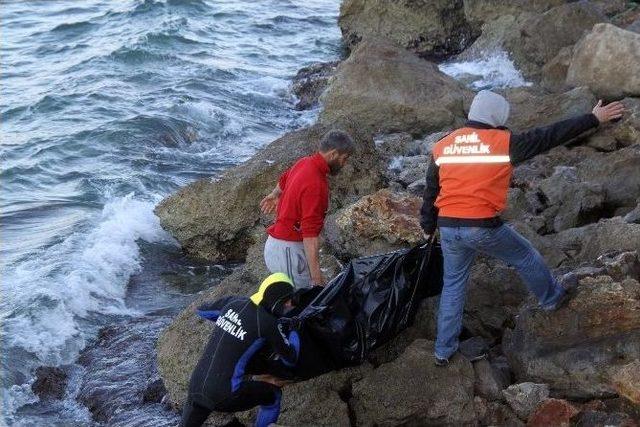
x=218, y=382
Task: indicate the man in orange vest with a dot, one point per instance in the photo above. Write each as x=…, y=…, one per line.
x=467, y=183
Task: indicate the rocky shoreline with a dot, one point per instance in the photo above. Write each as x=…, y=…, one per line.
x=580, y=206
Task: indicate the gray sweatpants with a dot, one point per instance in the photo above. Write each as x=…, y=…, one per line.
x=282, y=256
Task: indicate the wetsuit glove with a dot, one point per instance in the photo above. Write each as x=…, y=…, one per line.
x=208, y=311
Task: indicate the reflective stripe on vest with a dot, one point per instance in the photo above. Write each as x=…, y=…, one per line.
x=472, y=159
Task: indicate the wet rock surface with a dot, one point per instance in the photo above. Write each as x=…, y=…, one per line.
x=432, y=28
x=51, y=382
x=121, y=376
x=310, y=82
x=534, y=34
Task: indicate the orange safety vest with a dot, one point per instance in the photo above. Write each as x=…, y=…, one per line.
x=475, y=172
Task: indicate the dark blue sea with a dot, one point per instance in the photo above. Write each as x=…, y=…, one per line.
x=106, y=108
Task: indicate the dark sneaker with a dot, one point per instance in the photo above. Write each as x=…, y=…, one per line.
x=441, y=362
x=569, y=281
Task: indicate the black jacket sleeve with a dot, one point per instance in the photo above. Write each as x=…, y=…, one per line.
x=528, y=144
x=428, y=212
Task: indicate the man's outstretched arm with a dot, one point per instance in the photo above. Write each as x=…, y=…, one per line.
x=528, y=144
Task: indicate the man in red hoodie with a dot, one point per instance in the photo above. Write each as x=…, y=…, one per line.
x=300, y=201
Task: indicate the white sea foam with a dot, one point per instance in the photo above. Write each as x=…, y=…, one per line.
x=494, y=70
x=13, y=398
x=396, y=163
x=87, y=273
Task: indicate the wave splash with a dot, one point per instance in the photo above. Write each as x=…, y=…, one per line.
x=86, y=273
x=494, y=71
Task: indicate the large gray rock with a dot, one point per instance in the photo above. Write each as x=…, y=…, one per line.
x=586, y=243
x=542, y=36
x=481, y=11
x=495, y=291
x=489, y=381
x=525, y=397
x=607, y=60
x=216, y=220
x=496, y=414
x=499, y=34
x=321, y=401
x=412, y=390
x=618, y=173
x=573, y=202
x=533, y=39
x=579, y=348
x=554, y=72
x=423, y=327
x=430, y=28
x=395, y=144
x=383, y=88
x=627, y=131
x=530, y=108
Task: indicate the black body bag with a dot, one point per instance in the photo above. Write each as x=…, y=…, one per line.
x=363, y=307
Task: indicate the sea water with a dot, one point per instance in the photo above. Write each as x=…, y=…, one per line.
x=106, y=108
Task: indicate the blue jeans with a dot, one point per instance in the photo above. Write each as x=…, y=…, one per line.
x=460, y=246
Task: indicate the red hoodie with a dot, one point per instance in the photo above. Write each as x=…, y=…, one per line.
x=304, y=200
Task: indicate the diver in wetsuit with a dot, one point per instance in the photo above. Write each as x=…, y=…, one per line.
x=244, y=326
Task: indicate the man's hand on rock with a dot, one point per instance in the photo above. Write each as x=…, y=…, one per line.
x=269, y=204
x=278, y=382
x=609, y=112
